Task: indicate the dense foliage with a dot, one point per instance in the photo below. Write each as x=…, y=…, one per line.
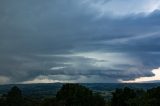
x=78, y=95
x=131, y=97
x=68, y=95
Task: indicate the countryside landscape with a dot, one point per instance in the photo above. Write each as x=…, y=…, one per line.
x=79, y=52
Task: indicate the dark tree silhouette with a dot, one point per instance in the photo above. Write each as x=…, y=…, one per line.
x=77, y=95
x=132, y=97
x=14, y=97
x=121, y=96
x=3, y=100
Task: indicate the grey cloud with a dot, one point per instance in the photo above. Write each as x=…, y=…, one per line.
x=29, y=30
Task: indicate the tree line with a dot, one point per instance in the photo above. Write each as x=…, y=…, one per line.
x=68, y=95
x=78, y=95
x=136, y=97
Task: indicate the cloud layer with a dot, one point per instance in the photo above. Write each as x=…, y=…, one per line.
x=78, y=41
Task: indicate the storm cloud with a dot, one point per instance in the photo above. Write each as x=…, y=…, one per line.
x=78, y=41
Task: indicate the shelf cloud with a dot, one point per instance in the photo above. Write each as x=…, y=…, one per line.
x=78, y=41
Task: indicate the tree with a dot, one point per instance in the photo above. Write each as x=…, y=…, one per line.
x=3, y=100
x=14, y=97
x=122, y=96
x=78, y=95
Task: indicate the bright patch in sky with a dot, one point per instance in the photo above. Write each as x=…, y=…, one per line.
x=57, y=68
x=43, y=79
x=104, y=59
x=156, y=77
x=123, y=7
x=4, y=79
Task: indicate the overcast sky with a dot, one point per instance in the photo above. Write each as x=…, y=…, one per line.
x=79, y=40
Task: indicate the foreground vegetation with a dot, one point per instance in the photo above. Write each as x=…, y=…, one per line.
x=68, y=95
x=131, y=97
x=78, y=95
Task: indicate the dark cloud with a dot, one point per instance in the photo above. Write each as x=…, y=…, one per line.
x=36, y=36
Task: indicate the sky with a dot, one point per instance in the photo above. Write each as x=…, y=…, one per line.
x=74, y=41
